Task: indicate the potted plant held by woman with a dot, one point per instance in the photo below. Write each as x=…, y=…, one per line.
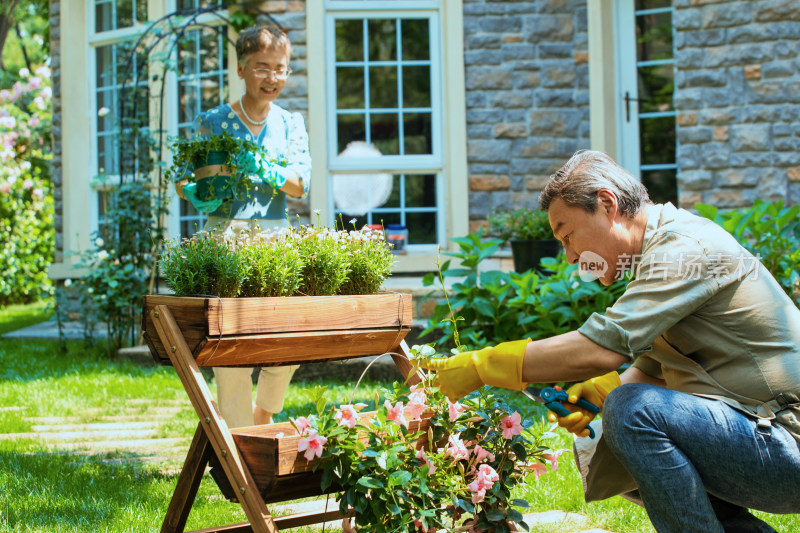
x=530, y=235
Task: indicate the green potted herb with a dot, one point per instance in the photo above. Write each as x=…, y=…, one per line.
x=530, y=235
x=222, y=166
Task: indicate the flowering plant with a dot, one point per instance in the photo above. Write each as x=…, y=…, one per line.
x=304, y=260
x=423, y=463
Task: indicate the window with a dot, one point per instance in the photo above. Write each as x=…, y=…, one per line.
x=386, y=93
x=202, y=84
x=647, y=86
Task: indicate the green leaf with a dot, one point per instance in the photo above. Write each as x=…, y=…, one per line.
x=370, y=483
x=401, y=477
x=495, y=515
x=516, y=502
x=706, y=211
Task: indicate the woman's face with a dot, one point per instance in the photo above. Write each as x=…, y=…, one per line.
x=265, y=61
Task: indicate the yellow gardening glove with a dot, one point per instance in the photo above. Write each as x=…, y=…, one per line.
x=465, y=372
x=595, y=391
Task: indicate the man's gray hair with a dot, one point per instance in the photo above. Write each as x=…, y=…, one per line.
x=257, y=38
x=588, y=171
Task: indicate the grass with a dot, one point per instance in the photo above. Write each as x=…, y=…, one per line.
x=46, y=488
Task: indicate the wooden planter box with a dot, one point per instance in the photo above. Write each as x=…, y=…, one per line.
x=280, y=331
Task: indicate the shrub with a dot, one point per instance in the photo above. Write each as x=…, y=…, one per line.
x=26, y=204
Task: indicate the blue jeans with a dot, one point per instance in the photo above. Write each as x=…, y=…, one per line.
x=698, y=462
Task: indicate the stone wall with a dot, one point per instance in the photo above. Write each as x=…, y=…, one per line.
x=737, y=93
x=527, y=81
x=56, y=165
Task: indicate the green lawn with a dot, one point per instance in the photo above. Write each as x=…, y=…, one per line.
x=52, y=489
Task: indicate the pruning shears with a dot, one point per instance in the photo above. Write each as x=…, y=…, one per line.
x=554, y=397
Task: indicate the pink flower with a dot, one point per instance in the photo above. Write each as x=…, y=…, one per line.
x=38, y=193
x=347, y=416
x=33, y=122
x=312, y=445
x=456, y=449
x=395, y=413
x=481, y=454
x=417, y=395
x=511, y=425
x=302, y=424
x=538, y=469
x=454, y=409
x=488, y=475
x=479, y=492
x=34, y=83
x=27, y=184
x=47, y=92
x=553, y=458
x=423, y=457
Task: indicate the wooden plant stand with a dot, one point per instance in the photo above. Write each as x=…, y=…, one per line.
x=261, y=464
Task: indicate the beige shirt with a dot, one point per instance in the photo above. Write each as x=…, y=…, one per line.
x=706, y=316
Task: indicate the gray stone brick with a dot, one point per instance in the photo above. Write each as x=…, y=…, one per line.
x=687, y=99
x=500, y=200
x=555, y=51
x=794, y=193
x=738, y=177
x=785, y=50
x=781, y=130
x=689, y=58
x=517, y=183
x=479, y=204
x=526, y=80
x=512, y=51
x=490, y=116
x=786, y=144
x=719, y=117
x=687, y=156
x=535, y=147
x=483, y=41
x=510, y=99
x=558, y=76
x=687, y=19
x=703, y=38
x=784, y=159
x=566, y=147
x=501, y=24
x=757, y=159
x=760, y=113
x=727, y=15
x=475, y=9
x=701, y=78
x=554, y=98
x=536, y=166
x=495, y=168
x=717, y=97
x=488, y=150
x=476, y=99
x=554, y=122
x=480, y=131
x=549, y=28
x=489, y=77
x=715, y=155
x=751, y=137
x=483, y=57
x=694, y=180
x=772, y=185
x=515, y=115
x=697, y=135
x=776, y=11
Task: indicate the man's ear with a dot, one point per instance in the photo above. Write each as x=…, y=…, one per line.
x=608, y=203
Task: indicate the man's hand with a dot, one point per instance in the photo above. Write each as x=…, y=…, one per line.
x=500, y=366
x=595, y=391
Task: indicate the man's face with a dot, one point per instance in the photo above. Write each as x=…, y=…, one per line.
x=588, y=238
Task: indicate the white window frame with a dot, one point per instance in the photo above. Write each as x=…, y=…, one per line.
x=448, y=162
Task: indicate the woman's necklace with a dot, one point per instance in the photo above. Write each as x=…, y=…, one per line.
x=248, y=119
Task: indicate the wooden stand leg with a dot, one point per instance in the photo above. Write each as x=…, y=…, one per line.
x=189, y=481
x=211, y=423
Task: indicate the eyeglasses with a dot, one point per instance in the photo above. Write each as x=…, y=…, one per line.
x=280, y=74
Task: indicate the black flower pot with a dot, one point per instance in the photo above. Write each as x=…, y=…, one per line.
x=528, y=254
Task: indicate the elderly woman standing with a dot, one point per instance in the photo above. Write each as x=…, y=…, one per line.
x=262, y=54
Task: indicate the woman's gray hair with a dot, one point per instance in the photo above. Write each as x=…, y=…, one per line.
x=257, y=38
x=588, y=171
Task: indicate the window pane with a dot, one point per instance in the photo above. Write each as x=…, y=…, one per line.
x=420, y=190
x=350, y=88
x=651, y=4
x=105, y=155
x=416, y=39
x=421, y=228
x=350, y=128
x=654, y=36
x=657, y=141
x=349, y=40
x=417, y=86
x=384, y=132
x=141, y=11
x=105, y=99
x=124, y=14
x=382, y=40
x=394, y=198
x=661, y=184
x=382, y=87
x=104, y=16
x=656, y=85
x=417, y=133
x=187, y=101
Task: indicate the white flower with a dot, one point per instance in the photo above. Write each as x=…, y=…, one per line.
x=224, y=125
x=25, y=165
x=24, y=73
x=102, y=255
x=316, y=211
x=425, y=350
x=235, y=126
x=103, y=111
x=353, y=221
x=43, y=71
x=231, y=115
x=67, y=282
x=99, y=242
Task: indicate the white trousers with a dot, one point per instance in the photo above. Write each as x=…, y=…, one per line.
x=235, y=385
